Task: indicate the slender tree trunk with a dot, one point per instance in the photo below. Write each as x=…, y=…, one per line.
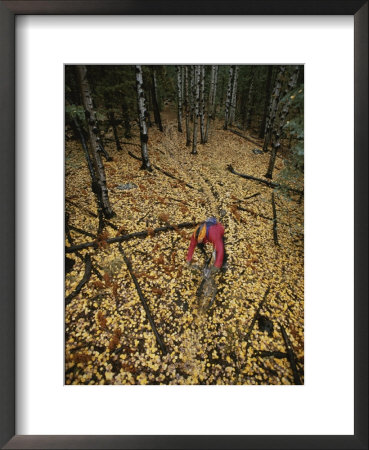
x=196, y=97
x=277, y=130
x=214, y=104
x=273, y=107
x=182, y=83
x=126, y=122
x=202, y=104
x=85, y=149
x=228, y=98
x=250, y=103
x=211, y=100
x=222, y=91
x=155, y=102
x=191, y=92
x=267, y=101
x=179, y=97
x=100, y=186
x=115, y=131
x=142, y=120
x=232, y=113
x=243, y=108
x=148, y=107
x=187, y=107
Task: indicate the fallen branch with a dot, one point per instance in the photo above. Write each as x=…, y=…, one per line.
x=253, y=213
x=291, y=356
x=126, y=237
x=78, y=230
x=275, y=234
x=179, y=201
x=163, y=171
x=245, y=137
x=253, y=195
x=86, y=277
x=276, y=354
x=143, y=301
x=267, y=183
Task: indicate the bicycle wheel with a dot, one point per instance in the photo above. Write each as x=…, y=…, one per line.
x=207, y=294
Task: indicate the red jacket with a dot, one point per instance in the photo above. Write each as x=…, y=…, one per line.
x=215, y=237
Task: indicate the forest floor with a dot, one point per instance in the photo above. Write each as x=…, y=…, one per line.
x=254, y=331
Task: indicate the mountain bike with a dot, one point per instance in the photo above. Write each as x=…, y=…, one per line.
x=207, y=290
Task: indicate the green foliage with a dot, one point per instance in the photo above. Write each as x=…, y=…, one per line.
x=294, y=131
x=74, y=111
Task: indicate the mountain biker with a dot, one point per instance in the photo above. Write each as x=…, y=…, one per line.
x=210, y=231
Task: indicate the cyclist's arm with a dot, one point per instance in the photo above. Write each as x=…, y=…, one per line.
x=219, y=248
x=191, y=249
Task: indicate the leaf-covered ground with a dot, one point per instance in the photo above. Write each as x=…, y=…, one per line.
x=108, y=339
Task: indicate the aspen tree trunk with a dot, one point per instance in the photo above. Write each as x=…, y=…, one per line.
x=228, y=98
x=277, y=130
x=211, y=100
x=232, y=113
x=155, y=102
x=179, y=97
x=99, y=186
x=202, y=104
x=196, y=97
x=142, y=120
x=267, y=101
x=273, y=107
x=187, y=107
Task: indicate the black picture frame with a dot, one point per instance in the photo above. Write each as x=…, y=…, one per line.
x=8, y=11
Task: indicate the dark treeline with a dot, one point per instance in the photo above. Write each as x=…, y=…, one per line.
x=264, y=104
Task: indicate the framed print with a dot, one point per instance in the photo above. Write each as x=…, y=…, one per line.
x=65, y=349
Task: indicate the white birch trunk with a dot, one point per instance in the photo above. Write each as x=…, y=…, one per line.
x=142, y=120
x=196, y=97
x=100, y=181
x=228, y=98
x=179, y=97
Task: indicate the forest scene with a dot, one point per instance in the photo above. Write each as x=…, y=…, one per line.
x=184, y=225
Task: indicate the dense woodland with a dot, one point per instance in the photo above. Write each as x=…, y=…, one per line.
x=151, y=152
